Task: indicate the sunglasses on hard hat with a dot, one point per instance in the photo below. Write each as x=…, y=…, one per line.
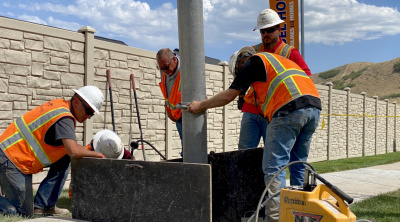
x=88, y=110
x=269, y=30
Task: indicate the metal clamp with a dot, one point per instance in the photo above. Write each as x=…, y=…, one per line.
x=182, y=105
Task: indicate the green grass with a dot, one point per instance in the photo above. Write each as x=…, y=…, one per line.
x=391, y=96
x=354, y=75
x=382, y=208
x=396, y=67
x=329, y=74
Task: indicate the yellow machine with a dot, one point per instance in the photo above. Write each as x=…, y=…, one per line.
x=314, y=203
x=310, y=202
x=318, y=205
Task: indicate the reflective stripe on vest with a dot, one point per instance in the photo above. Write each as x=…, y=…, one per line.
x=283, y=75
x=171, y=105
x=25, y=132
x=285, y=52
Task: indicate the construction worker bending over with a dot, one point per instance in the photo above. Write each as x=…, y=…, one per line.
x=289, y=101
x=44, y=137
x=108, y=143
x=170, y=85
x=253, y=125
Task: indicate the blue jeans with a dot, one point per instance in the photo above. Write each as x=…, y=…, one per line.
x=51, y=187
x=179, y=128
x=17, y=187
x=288, y=139
x=253, y=127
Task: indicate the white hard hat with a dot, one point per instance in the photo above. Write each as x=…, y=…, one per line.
x=267, y=18
x=92, y=95
x=233, y=60
x=109, y=144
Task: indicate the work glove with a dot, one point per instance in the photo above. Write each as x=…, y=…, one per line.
x=240, y=102
x=127, y=154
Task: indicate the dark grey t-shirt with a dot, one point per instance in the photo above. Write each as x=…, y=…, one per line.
x=62, y=129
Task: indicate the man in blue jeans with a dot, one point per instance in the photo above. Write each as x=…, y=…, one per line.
x=44, y=137
x=289, y=101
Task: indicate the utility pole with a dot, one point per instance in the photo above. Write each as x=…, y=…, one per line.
x=193, y=84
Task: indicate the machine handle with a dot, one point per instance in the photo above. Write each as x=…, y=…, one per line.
x=335, y=189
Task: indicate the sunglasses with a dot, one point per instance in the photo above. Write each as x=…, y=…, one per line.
x=88, y=110
x=269, y=30
x=165, y=68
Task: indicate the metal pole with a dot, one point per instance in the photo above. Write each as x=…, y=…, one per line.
x=302, y=27
x=193, y=86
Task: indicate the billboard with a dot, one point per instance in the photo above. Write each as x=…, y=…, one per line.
x=288, y=10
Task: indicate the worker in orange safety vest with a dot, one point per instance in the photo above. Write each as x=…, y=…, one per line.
x=290, y=103
x=170, y=85
x=44, y=137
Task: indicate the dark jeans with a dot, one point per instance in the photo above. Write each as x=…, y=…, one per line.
x=17, y=187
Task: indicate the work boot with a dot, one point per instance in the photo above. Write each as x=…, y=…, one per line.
x=51, y=212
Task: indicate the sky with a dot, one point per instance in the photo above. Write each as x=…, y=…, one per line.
x=336, y=32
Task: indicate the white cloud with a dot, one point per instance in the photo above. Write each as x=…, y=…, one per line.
x=33, y=19
x=225, y=21
x=63, y=24
x=339, y=22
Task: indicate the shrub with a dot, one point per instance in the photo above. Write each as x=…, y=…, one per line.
x=396, y=67
x=338, y=84
x=329, y=74
x=350, y=85
x=354, y=75
x=392, y=96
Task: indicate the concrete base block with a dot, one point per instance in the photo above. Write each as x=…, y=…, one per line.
x=125, y=190
x=237, y=184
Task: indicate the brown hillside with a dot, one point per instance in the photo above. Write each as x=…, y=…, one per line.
x=376, y=79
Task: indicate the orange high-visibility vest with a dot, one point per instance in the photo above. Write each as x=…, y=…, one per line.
x=175, y=96
x=286, y=81
x=282, y=50
x=23, y=140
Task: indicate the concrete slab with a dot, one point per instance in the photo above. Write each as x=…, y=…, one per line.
x=126, y=190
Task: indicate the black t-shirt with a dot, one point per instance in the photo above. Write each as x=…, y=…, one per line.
x=253, y=70
x=62, y=129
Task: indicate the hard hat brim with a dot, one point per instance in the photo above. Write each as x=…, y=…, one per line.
x=97, y=138
x=87, y=101
x=232, y=60
x=268, y=26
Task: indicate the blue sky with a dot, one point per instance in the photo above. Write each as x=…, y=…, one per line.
x=336, y=32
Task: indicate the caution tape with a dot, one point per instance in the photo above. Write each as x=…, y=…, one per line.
x=364, y=114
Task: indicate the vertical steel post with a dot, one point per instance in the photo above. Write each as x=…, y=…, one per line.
x=193, y=85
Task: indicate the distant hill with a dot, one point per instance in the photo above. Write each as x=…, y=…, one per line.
x=376, y=79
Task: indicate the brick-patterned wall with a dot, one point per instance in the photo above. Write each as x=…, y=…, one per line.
x=40, y=63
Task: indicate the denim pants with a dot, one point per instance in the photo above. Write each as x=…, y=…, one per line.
x=17, y=187
x=253, y=127
x=51, y=187
x=178, y=124
x=288, y=139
